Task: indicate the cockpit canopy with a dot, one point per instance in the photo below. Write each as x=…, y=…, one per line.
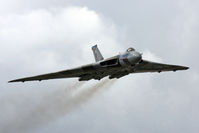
x=130, y=49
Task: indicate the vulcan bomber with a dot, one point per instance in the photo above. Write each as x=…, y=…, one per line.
x=123, y=64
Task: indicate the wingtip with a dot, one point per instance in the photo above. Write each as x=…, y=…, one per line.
x=11, y=81
x=186, y=68
x=15, y=81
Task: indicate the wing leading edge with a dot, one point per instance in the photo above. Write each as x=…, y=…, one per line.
x=148, y=66
x=61, y=74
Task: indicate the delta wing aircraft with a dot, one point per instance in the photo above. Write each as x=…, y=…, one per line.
x=115, y=67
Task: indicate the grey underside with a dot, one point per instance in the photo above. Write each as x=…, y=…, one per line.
x=94, y=71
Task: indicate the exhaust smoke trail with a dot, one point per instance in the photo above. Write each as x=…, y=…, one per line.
x=23, y=113
x=55, y=105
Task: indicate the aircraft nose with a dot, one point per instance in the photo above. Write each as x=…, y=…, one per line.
x=138, y=55
x=135, y=57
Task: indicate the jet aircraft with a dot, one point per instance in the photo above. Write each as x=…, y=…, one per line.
x=117, y=66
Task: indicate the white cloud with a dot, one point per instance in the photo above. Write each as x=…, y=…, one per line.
x=147, y=55
x=64, y=34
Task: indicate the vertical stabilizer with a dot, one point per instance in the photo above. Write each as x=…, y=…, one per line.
x=98, y=56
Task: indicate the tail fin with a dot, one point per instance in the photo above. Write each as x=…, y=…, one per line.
x=97, y=54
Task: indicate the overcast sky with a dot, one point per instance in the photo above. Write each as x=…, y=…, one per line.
x=42, y=36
